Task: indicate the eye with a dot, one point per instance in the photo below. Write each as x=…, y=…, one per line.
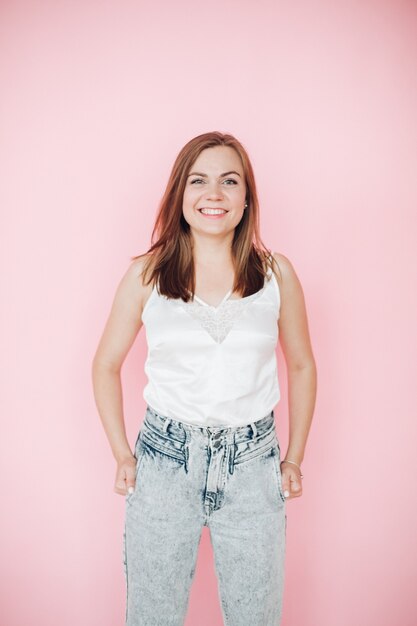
x=227, y=180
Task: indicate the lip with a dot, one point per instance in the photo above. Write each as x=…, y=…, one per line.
x=217, y=216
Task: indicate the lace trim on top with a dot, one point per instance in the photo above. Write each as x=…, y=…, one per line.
x=218, y=321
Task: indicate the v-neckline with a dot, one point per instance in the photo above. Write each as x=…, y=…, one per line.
x=227, y=296
x=212, y=306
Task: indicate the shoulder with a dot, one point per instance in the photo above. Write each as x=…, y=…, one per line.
x=137, y=266
x=290, y=286
x=282, y=268
x=132, y=287
x=287, y=278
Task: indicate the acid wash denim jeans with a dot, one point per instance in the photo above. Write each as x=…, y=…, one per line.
x=187, y=477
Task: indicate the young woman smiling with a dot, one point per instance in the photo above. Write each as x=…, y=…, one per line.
x=214, y=302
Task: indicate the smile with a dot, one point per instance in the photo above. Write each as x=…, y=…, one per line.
x=216, y=213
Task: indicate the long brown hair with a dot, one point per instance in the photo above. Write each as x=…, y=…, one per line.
x=171, y=263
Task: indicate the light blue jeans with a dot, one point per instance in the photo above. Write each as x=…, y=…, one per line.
x=187, y=477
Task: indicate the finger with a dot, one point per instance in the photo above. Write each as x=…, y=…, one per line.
x=125, y=490
x=130, y=483
x=296, y=486
x=120, y=482
x=125, y=485
x=286, y=486
x=120, y=487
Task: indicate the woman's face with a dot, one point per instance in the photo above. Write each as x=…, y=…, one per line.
x=215, y=181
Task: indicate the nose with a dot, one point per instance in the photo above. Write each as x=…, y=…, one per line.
x=214, y=190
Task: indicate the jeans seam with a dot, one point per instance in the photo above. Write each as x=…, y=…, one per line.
x=163, y=450
x=161, y=433
x=125, y=570
x=278, y=473
x=259, y=450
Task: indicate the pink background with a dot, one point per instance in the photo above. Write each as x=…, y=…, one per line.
x=97, y=98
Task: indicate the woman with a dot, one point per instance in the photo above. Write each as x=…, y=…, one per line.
x=213, y=301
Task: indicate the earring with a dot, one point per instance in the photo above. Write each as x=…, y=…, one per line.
x=246, y=205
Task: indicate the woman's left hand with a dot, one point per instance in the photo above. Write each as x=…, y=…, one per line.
x=291, y=481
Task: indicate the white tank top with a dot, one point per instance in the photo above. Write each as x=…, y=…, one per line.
x=213, y=366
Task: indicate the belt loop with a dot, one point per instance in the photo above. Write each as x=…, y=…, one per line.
x=166, y=424
x=254, y=431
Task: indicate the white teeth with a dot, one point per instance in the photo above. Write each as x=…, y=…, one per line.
x=212, y=211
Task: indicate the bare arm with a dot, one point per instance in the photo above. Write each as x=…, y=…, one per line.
x=121, y=329
x=301, y=369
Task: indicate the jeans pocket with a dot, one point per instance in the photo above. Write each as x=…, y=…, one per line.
x=166, y=444
x=139, y=457
x=277, y=473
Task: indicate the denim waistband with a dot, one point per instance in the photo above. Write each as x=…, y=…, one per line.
x=230, y=434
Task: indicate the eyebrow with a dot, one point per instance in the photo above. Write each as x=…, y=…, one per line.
x=205, y=175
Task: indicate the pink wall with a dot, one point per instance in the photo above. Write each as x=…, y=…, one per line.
x=97, y=99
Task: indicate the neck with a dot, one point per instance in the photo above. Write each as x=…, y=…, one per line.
x=209, y=251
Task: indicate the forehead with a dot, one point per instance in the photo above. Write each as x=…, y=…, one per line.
x=217, y=158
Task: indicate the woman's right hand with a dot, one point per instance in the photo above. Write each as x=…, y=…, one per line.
x=125, y=475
